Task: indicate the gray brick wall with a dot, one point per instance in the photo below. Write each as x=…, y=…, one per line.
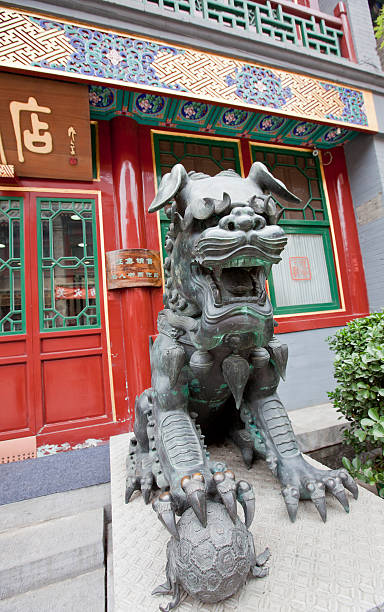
x=310, y=368
x=327, y=6
x=365, y=163
x=362, y=32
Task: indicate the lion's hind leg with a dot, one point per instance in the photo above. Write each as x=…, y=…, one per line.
x=139, y=461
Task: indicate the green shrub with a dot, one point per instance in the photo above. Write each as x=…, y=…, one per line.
x=359, y=394
x=379, y=28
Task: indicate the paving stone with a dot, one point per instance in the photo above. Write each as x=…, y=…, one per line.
x=334, y=567
x=50, y=551
x=84, y=592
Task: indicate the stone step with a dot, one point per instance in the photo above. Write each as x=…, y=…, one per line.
x=37, y=555
x=110, y=602
x=85, y=592
x=40, y=509
x=317, y=427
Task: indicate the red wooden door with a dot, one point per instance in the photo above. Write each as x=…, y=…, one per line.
x=17, y=416
x=55, y=360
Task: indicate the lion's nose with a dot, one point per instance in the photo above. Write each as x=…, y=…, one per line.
x=242, y=218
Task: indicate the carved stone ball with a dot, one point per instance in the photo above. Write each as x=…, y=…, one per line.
x=211, y=563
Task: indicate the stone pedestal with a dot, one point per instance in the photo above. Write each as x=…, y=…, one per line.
x=337, y=566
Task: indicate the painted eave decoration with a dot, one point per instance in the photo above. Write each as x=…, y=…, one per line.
x=40, y=44
x=191, y=115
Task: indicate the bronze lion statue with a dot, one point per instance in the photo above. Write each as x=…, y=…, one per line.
x=216, y=363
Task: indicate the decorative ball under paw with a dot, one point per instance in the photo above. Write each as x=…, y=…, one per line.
x=211, y=563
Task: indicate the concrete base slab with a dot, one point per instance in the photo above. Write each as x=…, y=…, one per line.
x=336, y=566
x=85, y=592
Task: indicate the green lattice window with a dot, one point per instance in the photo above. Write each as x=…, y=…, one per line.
x=12, y=302
x=68, y=267
x=207, y=155
x=305, y=280
x=280, y=22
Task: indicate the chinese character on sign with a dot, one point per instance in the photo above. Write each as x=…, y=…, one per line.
x=36, y=140
x=72, y=134
x=299, y=268
x=73, y=293
x=72, y=147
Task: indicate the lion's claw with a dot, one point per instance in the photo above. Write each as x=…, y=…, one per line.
x=230, y=491
x=246, y=497
x=195, y=491
x=349, y=483
x=335, y=486
x=291, y=497
x=309, y=482
x=226, y=488
x=163, y=507
x=132, y=485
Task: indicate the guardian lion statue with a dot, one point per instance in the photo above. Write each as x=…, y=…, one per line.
x=216, y=363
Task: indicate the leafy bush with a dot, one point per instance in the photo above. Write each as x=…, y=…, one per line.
x=379, y=28
x=359, y=395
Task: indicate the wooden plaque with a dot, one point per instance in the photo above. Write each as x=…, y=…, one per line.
x=133, y=268
x=45, y=128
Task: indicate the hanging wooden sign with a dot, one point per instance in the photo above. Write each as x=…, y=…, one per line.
x=133, y=268
x=44, y=128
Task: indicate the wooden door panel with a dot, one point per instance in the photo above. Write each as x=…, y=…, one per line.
x=71, y=342
x=14, y=413
x=73, y=389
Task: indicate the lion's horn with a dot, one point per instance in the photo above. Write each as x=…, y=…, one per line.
x=260, y=175
x=170, y=184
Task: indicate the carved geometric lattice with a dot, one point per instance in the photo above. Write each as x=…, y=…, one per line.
x=22, y=41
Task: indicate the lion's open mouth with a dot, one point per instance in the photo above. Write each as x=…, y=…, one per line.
x=239, y=280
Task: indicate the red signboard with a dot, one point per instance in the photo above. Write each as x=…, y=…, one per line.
x=133, y=268
x=44, y=128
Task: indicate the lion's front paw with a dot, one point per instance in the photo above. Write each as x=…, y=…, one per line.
x=196, y=490
x=301, y=480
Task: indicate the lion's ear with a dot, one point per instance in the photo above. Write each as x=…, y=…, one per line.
x=170, y=184
x=260, y=175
